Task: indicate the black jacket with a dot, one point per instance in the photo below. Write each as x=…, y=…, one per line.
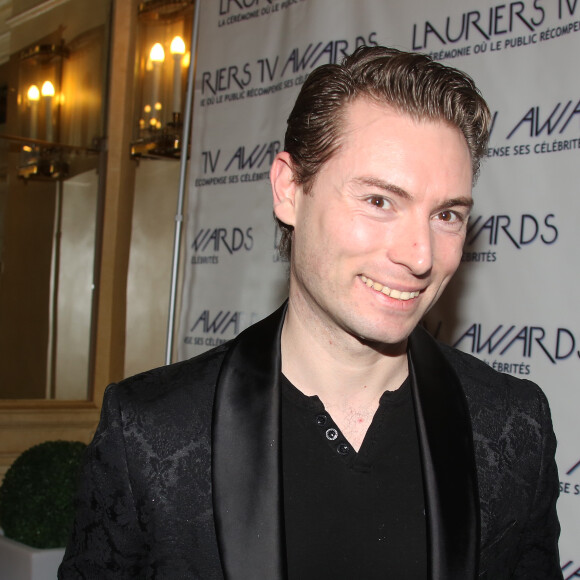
x=182, y=479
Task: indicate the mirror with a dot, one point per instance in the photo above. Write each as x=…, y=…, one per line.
x=51, y=151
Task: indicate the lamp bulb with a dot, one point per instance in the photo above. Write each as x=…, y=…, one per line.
x=33, y=93
x=177, y=46
x=47, y=89
x=157, y=53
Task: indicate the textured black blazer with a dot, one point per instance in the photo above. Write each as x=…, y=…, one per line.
x=183, y=477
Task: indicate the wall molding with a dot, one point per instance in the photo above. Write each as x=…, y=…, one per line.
x=33, y=13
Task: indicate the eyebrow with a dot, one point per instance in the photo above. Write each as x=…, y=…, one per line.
x=384, y=185
x=461, y=201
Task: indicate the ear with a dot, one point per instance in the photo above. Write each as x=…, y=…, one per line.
x=284, y=188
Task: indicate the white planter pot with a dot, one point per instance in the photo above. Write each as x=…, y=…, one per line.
x=21, y=562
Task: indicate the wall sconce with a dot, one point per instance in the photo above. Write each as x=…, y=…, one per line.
x=162, y=61
x=59, y=121
x=39, y=102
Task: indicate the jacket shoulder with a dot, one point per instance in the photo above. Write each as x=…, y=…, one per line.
x=192, y=380
x=481, y=381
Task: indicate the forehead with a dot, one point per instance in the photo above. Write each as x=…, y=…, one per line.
x=363, y=113
x=379, y=137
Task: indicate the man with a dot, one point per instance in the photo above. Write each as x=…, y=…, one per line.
x=336, y=439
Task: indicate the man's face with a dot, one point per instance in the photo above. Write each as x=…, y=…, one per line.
x=381, y=232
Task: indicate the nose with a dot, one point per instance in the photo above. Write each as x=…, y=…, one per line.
x=412, y=247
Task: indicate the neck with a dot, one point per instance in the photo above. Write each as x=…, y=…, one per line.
x=340, y=369
x=346, y=374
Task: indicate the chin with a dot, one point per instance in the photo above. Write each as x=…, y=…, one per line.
x=379, y=336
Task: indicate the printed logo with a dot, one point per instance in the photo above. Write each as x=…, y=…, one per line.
x=245, y=164
x=518, y=232
x=272, y=74
x=216, y=240
x=213, y=328
x=537, y=121
x=477, y=25
x=235, y=11
x=525, y=341
x=523, y=344
x=501, y=27
x=228, y=6
x=548, y=130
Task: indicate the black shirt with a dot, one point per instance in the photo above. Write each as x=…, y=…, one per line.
x=352, y=515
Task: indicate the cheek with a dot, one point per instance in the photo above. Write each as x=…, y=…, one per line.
x=314, y=246
x=340, y=234
x=360, y=233
x=450, y=256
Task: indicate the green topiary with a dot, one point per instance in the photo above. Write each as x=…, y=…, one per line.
x=36, y=497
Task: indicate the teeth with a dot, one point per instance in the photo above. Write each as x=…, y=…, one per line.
x=397, y=294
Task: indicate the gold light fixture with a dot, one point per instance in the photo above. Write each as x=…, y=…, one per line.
x=60, y=114
x=39, y=111
x=163, y=58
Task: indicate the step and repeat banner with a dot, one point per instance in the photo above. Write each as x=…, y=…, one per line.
x=512, y=302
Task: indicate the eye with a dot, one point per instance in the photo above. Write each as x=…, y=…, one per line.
x=448, y=216
x=378, y=201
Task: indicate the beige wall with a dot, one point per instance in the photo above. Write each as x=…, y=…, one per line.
x=48, y=16
x=75, y=286
x=26, y=259
x=151, y=255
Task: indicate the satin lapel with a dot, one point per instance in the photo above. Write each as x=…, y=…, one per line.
x=246, y=466
x=449, y=472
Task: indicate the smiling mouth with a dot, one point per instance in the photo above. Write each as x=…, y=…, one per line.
x=397, y=294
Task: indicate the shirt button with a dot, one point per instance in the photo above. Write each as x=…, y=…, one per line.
x=331, y=434
x=343, y=448
x=321, y=420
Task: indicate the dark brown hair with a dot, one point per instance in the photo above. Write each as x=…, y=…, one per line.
x=412, y=83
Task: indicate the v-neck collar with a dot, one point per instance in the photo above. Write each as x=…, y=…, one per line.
x=311, y=405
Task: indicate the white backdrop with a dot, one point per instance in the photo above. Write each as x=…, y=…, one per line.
x=512, y=301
